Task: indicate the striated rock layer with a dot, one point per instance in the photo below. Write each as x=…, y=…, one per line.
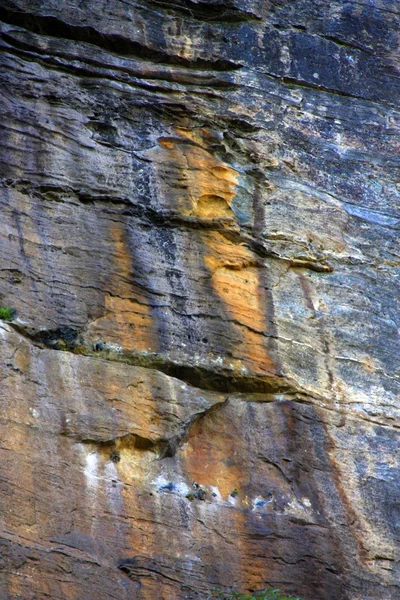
x=200, y=235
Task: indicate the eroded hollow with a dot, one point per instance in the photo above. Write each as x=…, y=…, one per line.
x=213, y=206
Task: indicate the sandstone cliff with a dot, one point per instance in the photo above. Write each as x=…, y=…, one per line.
x=200, y=236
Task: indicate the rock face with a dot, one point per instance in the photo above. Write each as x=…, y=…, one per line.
x=200, y=235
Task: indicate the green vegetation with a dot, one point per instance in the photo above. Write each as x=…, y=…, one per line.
x=270, y=594
x=7, y=314
x=199, y=494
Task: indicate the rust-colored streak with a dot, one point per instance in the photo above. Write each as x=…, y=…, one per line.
x=209, y=457
x=353, y=521
x=127, y=320
x=236, y=280
x=212, y=460
x=203, y=186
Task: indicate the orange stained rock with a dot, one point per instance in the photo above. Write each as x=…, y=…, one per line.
x=197, y=136
x=236, y=280
x=127, y=320
x=200, y=184
x=127, y=323
x=208, y=457
x=213, y=458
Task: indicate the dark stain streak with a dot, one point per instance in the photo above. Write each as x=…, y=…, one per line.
x=352, y=521
x=324, y=340
x=264, y=282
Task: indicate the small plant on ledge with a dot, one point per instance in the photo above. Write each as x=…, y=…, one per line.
x=7, y=314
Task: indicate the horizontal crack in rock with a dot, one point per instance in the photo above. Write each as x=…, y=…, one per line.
x=249, y=388
x=115, y=43
x=204, y=377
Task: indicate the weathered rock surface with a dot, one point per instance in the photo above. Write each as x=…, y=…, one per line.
x=200, y=235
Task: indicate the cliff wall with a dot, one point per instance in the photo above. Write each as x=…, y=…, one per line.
x=199, y=235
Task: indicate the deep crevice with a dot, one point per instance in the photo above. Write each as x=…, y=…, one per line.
x=183, y=76
x=69, y=339
x=209, y=13
x=162, y=447
x=292, y=81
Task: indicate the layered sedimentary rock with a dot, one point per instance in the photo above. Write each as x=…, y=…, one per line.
x=200, y=235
